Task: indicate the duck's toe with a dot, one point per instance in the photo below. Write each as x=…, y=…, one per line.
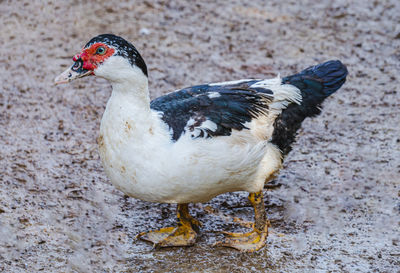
x=182, y=235
x=246, y=242
x=156, y=236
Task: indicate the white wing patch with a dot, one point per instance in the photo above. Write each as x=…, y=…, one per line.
x=213, y=95
x=283, y=93
x=230, y=82
x=198, y=128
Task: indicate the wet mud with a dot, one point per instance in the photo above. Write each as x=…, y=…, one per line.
x=335, y=205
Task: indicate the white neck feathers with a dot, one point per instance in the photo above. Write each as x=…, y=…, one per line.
x=127, y=81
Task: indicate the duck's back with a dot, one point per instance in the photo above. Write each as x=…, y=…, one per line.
x=205, y=140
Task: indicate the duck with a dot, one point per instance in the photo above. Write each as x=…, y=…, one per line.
x=193, y=144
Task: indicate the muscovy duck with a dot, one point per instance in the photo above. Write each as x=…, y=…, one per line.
x=196, y=143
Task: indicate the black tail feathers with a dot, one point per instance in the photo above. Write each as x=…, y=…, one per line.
x=321, y=80
x=315, y=83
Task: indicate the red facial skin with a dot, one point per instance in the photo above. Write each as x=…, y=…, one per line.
x=91, y=59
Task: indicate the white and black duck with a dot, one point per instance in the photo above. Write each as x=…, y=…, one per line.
x=196, y=143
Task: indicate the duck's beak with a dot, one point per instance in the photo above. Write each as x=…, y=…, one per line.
x=74, y=72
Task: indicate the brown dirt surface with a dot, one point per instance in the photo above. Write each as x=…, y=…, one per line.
x=336, y=205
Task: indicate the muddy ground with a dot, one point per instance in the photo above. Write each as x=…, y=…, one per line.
x=335, y=207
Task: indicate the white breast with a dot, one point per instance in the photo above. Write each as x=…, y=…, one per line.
x=141, y=160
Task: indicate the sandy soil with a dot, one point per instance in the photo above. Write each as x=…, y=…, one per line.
x=336, y=205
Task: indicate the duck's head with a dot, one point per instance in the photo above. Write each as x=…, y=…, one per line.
x=107, y=56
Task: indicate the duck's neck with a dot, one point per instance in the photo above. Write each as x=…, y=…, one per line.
x=134, y=91
x=129, y=83
x=128, y=109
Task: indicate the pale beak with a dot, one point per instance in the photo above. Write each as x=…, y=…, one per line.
x=74, y=72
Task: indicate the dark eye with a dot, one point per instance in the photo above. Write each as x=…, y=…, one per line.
x=100, y=50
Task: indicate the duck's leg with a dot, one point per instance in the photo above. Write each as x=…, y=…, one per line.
x=256, y=239
x=184, y=234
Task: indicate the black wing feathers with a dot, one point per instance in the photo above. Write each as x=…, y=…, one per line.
x=228, y=106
